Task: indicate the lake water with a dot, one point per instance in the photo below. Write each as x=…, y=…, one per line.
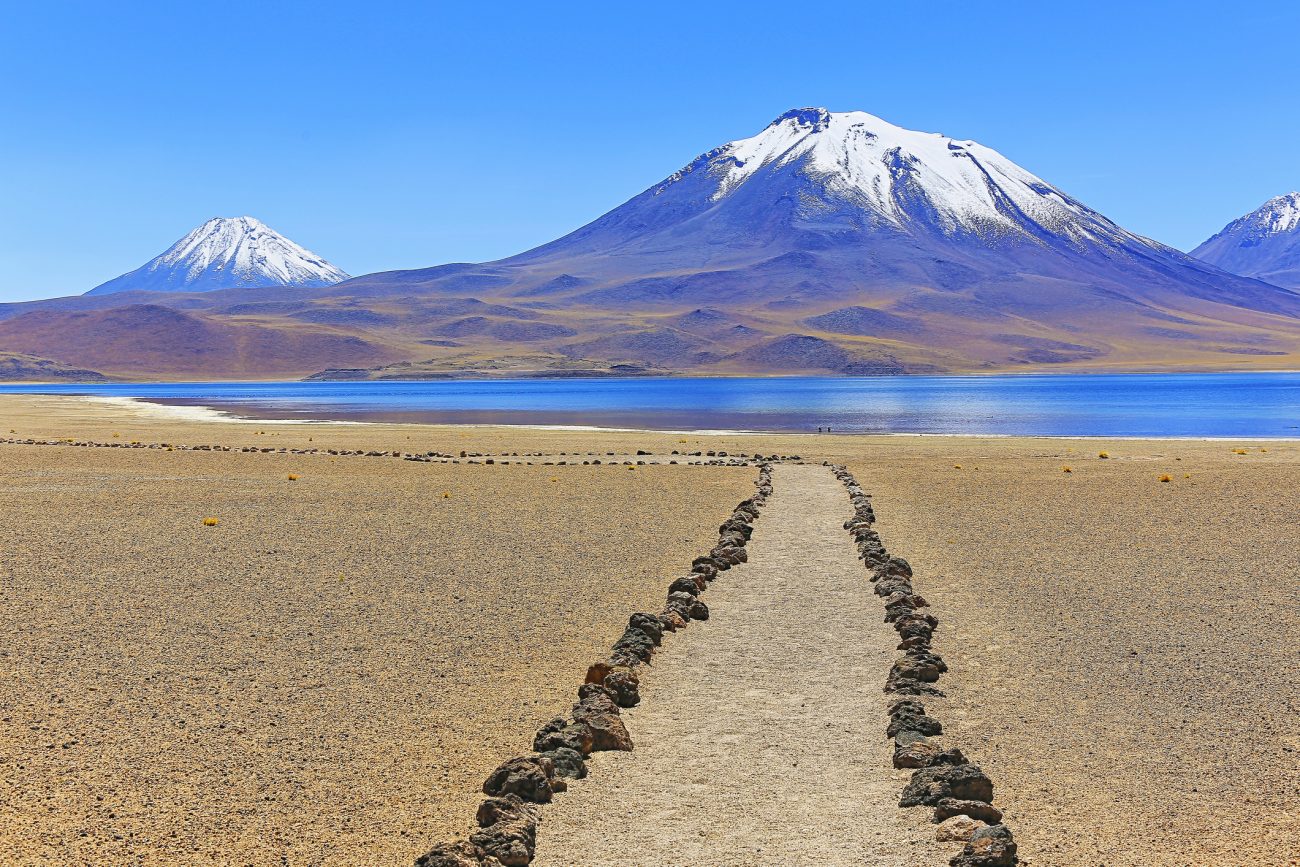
x=1116, y=405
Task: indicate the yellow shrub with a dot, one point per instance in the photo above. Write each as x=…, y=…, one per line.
x=1066, y=470
x=1103, y=455
x=446, y=495
x=1166, y=478
x=956, y=466
x=210, y=522
x=293, y=477
x=1238, y=451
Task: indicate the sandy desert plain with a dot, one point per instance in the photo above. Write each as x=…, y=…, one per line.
x=328, y=674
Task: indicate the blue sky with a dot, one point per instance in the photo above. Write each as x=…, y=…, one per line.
x=392, y=135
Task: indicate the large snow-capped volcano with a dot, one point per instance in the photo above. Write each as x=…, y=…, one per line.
x=228, y=253
x=901, y=178
x=1264, y=244
x=823, y=209
x=846, y=176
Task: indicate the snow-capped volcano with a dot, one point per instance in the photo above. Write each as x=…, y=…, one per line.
x=227, y=253
x=1264, y=244
x=904, y=179
x=823, y=207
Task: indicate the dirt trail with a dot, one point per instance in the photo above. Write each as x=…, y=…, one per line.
x=760, y=737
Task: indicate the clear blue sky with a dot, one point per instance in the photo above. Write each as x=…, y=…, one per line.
x=394, y=135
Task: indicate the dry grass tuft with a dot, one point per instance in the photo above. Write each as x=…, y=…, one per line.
x=293, y=477
x=1238, y=451
x=1066, y=470
x=210, y=522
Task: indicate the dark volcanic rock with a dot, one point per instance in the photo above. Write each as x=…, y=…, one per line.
x=511, y=841
x=898, y=566
x=909, y=715
x=532, y=778
x=624, y=685
x=684, y=585
x=636, y=644
x=568, y=762
x=649, y=624
x=988, y=847
x=930, y=785
x=912, y=750
x=914, y=669
x=949, y=807
x=599, y=713
x=561, y=733
x=457, y=854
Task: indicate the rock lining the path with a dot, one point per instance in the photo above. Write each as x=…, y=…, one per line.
x=959, y=791
x=508, y=819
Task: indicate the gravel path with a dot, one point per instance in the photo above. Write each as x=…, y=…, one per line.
x=760, y=738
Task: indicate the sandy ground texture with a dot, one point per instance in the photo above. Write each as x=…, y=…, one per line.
x=327, y=675
x=760, y=739
x=1122, y=649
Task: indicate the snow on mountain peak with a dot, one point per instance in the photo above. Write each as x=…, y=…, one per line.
x=228, y=252
x=902, y=177
x=1278, y=216
x=1264, y=243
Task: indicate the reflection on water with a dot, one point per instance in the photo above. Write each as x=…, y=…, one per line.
x=1221, y=404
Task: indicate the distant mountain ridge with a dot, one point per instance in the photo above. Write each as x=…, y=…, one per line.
x=828, y=243
x=227, y=253
x=1264, y=243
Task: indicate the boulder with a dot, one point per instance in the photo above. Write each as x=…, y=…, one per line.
x=929, y=786
x=600, y=714
x=624, y=686
x=915, y=751
x=907, y=715
x=957, y=829
x=680, y=603
x=949, y=807
x=561, y=733
x=899, y=566
x=503, y=808
x=598, y=671
x=511, y=842
x=635, y=644
x=912, y=670
x=992, y=846
x=649, y=624
x=704, y=567
x=707, y=566
x=532, y=778
x=890, y=585
x=684, y=585
x=568, y=763
x=457, y=854
x=673, y=619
